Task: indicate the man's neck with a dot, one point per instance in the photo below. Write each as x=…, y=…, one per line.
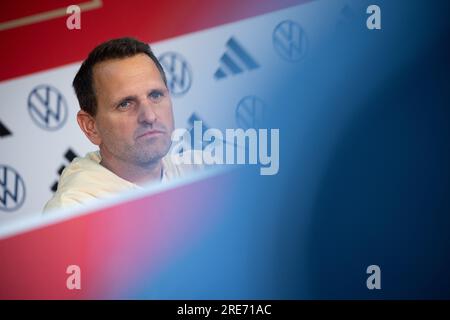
x=136, y=174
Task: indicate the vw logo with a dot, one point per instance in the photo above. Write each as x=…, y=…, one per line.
x=47, y=107
x=12, y=189
x=178, y=73
x=250, y=113
x=290, y=41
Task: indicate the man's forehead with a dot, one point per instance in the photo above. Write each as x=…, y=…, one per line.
x=117, y=74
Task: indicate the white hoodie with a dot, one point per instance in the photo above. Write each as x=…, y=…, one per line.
x=85, y=179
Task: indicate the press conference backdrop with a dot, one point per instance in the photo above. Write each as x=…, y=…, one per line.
x=364, y=135
x=213, y=76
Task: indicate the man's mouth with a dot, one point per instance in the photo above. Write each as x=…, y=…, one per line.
x=150, y=133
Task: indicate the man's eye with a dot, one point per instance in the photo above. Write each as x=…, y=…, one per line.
x=156, y=95
x=124, y=105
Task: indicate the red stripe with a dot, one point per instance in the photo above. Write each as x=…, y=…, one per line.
x=50, y=44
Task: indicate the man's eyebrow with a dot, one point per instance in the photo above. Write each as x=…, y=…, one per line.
x=158, y=88
x=120, y=100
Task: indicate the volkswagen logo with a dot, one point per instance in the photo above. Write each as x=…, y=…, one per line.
x=47, y=107
x=290, y=41
x=178, y=73
x=250, y=113
x=12, y=189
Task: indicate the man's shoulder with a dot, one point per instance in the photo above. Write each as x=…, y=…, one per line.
x=84, y=179
x=81, y=168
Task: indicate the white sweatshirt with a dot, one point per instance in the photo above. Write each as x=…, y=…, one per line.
x=85, y=179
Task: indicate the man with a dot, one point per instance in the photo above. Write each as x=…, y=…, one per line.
x=126, y=111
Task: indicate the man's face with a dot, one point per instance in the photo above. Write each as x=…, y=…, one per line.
x=134, y=119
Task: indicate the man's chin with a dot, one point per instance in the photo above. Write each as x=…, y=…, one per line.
x=150, y=156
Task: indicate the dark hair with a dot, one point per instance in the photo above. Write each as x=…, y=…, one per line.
x=112, y=49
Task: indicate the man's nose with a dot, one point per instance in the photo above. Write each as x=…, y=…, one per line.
x=146, y=113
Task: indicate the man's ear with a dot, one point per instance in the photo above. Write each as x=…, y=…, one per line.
x=87, y=125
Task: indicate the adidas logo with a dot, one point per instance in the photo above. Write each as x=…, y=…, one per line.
x=4, y=131
x=69, y=155
x=234, y=61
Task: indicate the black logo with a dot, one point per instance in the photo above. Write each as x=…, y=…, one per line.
x=4, y=131
x=69, y=155
x=12, y=189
